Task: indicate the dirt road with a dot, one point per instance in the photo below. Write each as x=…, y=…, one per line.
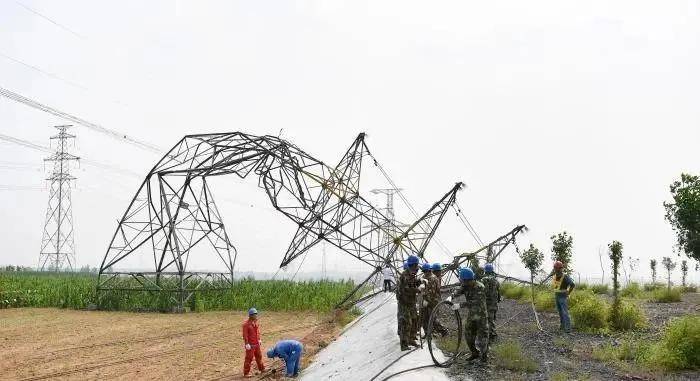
x=64, y=344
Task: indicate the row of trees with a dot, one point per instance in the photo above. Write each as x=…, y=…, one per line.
x=684, y=215
x=11, y=268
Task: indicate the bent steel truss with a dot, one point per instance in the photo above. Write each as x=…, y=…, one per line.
x=174, y=211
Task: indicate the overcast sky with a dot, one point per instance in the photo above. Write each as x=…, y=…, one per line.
x=561, y=115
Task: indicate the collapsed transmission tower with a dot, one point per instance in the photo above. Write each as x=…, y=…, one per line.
x=57, y=245
x=174, y=211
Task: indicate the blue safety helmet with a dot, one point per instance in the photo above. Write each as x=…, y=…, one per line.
x=488, y=268
x=466, y=274
x=252, y=311
x=426, y=267
x=412, y=260
x=436, y=267
x=271, y=353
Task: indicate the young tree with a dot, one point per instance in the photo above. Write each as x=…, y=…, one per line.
x=616, y=259
x=633, y=264
x=684, y=271
x=684, y=213
x=532, y=259
x=669, y=265
x=652, y=264
x=562, y=245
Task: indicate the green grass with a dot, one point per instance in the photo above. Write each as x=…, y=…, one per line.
x=589, y=314
x=679, y=347
x=652, y=286
x=544, y=301
x=665, y=295
x=509, y=355
x=629, y=318
x=600, y=289
x=77, y=291
x=632, y=290
x=513, y=291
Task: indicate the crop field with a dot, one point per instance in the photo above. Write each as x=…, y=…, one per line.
x=45, y=331
x=49, y=343
x=77, y=291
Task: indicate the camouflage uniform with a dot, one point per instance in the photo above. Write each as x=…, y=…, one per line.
x=406, y=291
x=493, y=296
x=431, y=295
x=477, y=327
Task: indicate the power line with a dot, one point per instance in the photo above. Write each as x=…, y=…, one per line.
x=50, y=20
x=93, y=126
x=46, y=73
x=28, y=144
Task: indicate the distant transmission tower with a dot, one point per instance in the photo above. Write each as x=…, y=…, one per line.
x=57, y=246
x=391, y=223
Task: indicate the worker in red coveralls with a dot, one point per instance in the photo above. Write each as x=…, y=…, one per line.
x=252, y=341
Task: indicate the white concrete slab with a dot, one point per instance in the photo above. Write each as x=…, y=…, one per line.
x=369, y=344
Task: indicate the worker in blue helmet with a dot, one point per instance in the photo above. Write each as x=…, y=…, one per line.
x=493, y=297
x=290, y=351
x=407, y=290
x=477, y=326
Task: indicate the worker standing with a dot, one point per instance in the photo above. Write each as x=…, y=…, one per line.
x=563, y=285
x=477, y=330
x=432, y=298
x=388, y=274
x=252, y=342
x=290, y=351
x=427, y=296
x=407, y=290
x=493, y=297
x=399, y=305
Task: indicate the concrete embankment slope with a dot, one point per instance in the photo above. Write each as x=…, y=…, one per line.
x=368, y=345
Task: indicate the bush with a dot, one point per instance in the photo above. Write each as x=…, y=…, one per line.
x=690, y=288
x=679, y=347
x=628, y=350
x=632, y=290
x=582, y=286
x=577, y=296
x=590, y=314
x=599, y=289
x=652, y=286
x=664, y=295
x=509, y=355
x=514, y=291
x=544, y=301
x=629, y=317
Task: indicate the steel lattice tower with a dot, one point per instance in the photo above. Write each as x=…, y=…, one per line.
x=57, y=246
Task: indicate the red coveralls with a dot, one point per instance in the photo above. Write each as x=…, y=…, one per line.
x=251, y=335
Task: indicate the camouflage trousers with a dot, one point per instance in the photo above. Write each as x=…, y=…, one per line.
x=408, y=324
x=477, y=335
x=492, y=319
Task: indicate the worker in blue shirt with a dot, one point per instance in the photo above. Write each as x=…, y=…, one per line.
x=290, y=351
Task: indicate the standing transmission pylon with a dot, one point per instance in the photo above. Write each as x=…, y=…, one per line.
x=390, y=226
x=57, y=246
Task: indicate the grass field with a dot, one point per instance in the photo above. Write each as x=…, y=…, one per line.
x=77, y=291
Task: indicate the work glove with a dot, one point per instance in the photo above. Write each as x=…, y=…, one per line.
x=449, y=299
x=455, y=307
x=424, y=281
x=425, y=303
x=247, y=347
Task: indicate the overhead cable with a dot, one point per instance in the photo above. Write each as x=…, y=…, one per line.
x=93, y=126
